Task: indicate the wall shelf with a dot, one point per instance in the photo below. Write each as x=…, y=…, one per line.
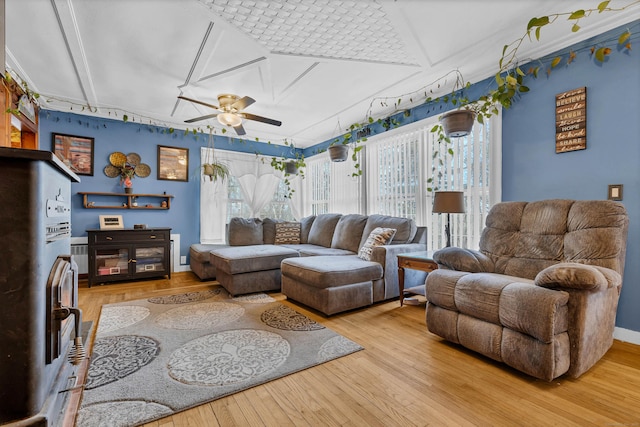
x=126, y=200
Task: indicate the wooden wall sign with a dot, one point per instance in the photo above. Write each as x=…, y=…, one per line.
x=571, y=120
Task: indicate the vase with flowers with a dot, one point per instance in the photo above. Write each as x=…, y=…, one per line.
x=126, y=174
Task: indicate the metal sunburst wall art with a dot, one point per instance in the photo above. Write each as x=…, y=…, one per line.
x=126, y=167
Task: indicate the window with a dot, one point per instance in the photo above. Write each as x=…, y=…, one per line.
x=400, y=162
x=319, y=175
x=329, y=187
x=254, y=189
x=279, y=207
x=236, y=206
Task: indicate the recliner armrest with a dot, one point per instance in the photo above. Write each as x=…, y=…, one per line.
x=460, y=259
x=572, y=275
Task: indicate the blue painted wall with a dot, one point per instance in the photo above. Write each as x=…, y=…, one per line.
x=531, y=168
x=116, y=135
x=533, y=171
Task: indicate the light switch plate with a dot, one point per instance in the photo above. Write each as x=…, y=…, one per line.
x=615, y=192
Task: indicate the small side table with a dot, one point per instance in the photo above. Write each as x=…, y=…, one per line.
x=422, y=261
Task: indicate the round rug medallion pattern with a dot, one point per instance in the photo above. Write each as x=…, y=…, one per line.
x=258, y=298
x=228, y=357
x=116, y=357
x=186, y=297
x=336, y=347
x=200, y=316
x=121, y=413
x=113, y=318
x=287, y=319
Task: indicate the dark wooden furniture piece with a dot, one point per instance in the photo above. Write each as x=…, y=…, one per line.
x=125, y=200
x=129, y=254
x=422, y=261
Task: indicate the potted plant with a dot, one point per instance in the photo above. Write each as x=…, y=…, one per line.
x=291, y=167
x=338, y=153
x=215, y=170
x=127, y=172
x=458, y=123
x=212, y=168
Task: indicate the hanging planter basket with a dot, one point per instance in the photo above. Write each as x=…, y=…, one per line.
x=338, y=153
x=291, y=168
x=215, y=171
x=458, y=123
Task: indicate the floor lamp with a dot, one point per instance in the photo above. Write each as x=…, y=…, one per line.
x=448, y=202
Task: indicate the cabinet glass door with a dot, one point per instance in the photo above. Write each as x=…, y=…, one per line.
x=150, y=259
x=110, y=262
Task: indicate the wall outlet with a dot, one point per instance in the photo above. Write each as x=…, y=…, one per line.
x=183, y=259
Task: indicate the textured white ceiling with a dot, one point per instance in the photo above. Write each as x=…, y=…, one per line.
x=309, y=63
x=357, y=30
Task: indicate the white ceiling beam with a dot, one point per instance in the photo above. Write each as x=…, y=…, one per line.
x=68, y=23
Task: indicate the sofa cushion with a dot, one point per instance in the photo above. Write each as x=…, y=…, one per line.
x=331, y=271
x=269, y=230
x=321, y=232
x=348, y=232
x=305, y=227
x=378, y=237
x=245, y=231
x=245, y=259
x=287, y=233
x=406, y=228
x=314, y=250
x=200, y=252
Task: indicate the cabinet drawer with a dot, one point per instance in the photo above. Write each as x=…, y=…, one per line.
x=130, y=236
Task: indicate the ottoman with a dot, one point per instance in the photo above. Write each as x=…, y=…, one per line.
x=330, y=284
x=247, y=269
x=199, y=260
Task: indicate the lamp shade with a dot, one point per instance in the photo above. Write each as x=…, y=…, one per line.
x=448, y=202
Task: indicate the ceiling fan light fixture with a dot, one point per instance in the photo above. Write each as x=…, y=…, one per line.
x=229, y=119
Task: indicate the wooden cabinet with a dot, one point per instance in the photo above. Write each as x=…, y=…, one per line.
x=19, y=129
x=129, y=254
x=91, y=200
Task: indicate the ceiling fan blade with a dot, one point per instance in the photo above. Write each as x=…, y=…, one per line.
x=199, y=102
x=261, y=119
x=243, y=103
x=240, y=129
x=197, y=119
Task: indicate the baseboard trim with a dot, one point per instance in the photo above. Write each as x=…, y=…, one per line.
x=627, y=335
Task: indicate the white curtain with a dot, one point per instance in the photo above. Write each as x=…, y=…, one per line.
x=257, y=179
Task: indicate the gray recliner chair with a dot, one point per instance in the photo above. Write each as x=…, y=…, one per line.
x=542, y=292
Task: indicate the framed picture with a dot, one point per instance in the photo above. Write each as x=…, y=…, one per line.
x=111, y=222
x=173, y=163
x=75, y=151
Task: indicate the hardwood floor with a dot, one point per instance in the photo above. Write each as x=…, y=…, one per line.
x=406, y=376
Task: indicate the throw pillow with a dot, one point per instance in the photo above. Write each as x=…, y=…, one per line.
x=287, y=233
x=378, y=237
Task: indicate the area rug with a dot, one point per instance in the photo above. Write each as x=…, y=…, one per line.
x=155, y=357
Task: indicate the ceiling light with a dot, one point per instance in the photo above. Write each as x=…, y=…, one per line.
x=229, y=119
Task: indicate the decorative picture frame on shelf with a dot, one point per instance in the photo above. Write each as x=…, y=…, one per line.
x=74, y=151
x=173, y=163
x=111, y=222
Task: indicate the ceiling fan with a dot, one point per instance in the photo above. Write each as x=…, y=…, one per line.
x=230, y=113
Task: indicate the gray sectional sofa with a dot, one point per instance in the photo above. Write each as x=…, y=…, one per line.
x=319, y=266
